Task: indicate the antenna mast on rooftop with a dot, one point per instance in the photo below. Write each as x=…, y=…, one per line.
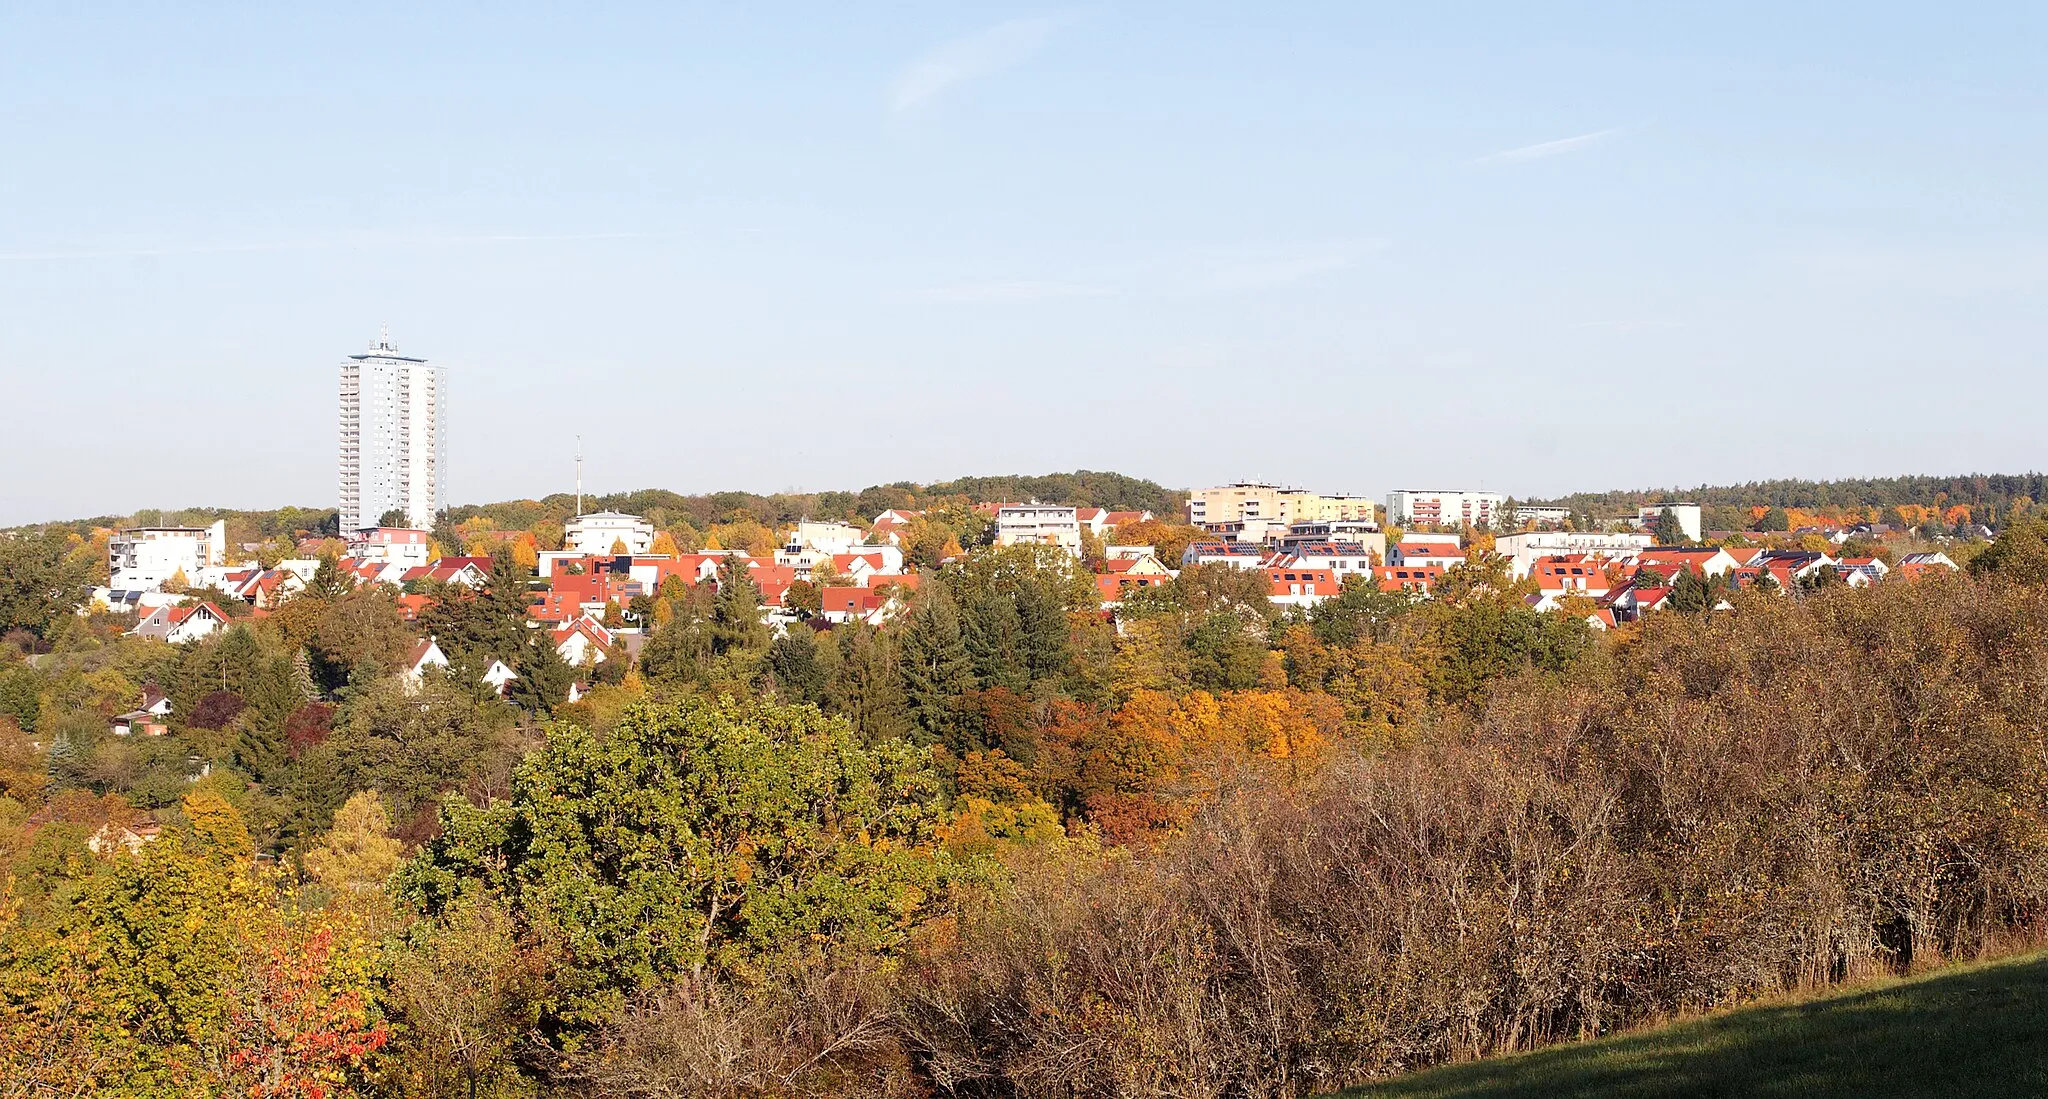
x=579, y=474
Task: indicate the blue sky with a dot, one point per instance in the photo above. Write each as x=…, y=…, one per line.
x=1351, y=246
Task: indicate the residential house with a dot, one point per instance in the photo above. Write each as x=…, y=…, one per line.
x=583, y=640
x=1341, y=558
x=1238, y=555
x=1303, y=587
x=1412, y=552
x=1415, y=579
x=1670, y=560
x=888, y=527
x=424, y=656
x=498, y=676
x=138, y=723
x=873, y=606
x=470, y=572
x=185, y=622
x=1869, y=569
x=1913, y=566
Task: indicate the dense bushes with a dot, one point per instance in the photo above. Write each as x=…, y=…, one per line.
x=1785, y=796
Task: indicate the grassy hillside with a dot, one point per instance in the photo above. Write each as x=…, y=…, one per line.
x=1974, y=1030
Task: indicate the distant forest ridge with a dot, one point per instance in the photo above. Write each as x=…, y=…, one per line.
x=1988, y=496
x=1081, y=488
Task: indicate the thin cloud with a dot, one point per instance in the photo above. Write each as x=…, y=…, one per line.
x=968, y=58
x=1540, y=150
x=1289, y=266
x=307, y=245
x=1014, y=291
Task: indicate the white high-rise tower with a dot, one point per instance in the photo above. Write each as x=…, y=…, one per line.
x=394, y=437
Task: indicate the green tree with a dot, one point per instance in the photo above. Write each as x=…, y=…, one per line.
x=2020, y=552
x=695, y=840
x=865, y=686
x=934, y=664
x=798, y=672
x=1774, y=519
x=736, y=611
x=1667, y=529
x=40, y=584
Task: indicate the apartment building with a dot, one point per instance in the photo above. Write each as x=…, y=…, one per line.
x=1040, y=524
x=394, y=437
x=1417, y=507
x=1258, y=503
x=599, y=532
x=143, y=558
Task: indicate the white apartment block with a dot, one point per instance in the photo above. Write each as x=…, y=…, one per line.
x=833, y=537
x=598, y=533
x=1687, y=514
x=1542, y=515
x=401, y=546
x=1522, y=550
x=1417, y=507
x=394, y=438
x=1041, y=524
x=143, y=558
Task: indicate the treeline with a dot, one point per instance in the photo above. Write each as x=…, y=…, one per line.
x=1083, y=488
x=1989, y=496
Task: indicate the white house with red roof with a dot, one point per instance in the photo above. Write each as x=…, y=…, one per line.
x=1413, y=579
x=1669, y=560
x=1303, y=587
x=888, y=527
x=1411, y=552
x=470, y=572
x=582, y=640
x=424, y=656
x=178, y=624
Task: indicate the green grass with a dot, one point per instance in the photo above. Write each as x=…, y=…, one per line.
x=1970, y=1030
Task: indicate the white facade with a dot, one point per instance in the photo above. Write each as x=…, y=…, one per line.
x=1542, y=515
x=394, y=438
x=1444, y=507
x=595, y=534
x=1688, y=516
x=402, y=547
x=1040, y=524
x=143, y=558
x=1522, y=550
x=825, y=537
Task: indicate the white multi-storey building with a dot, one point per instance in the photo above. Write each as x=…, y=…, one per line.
x=394, y=438
x=1523, y=550
x=1042, y=524
x=1687, y=514
x=1438, y=507
x=142, y=558
x=600, y=532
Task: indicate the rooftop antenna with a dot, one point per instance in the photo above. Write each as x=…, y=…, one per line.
x=579, y=475
x=384, y=337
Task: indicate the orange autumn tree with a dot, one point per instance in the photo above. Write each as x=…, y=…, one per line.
x=1159, y=757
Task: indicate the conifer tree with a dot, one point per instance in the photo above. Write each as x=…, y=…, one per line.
x=934, y=665
x=736, y=612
